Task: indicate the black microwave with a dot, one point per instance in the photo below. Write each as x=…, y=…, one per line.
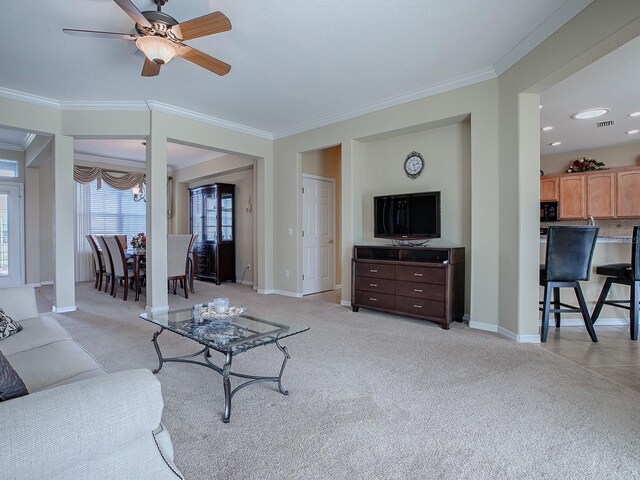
x=548, y=211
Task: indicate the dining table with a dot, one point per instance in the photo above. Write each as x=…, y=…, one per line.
x=139, y=257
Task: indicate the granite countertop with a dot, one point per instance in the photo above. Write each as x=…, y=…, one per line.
x=602, y=239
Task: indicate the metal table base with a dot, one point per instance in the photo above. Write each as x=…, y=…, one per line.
x=225, y=371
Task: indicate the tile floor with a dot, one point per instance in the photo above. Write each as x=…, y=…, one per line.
x=614, y=356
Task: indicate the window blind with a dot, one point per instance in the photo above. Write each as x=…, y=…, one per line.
x=115, y=211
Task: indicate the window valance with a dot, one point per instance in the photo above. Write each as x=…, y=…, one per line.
x=118, y=180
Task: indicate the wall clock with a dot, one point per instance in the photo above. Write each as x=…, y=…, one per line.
x=413, y=165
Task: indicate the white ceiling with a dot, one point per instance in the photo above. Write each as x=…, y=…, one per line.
x=112, y=151
x=295, y=64
x=611, y=82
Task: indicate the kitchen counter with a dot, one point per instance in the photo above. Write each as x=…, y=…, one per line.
x=610, y=239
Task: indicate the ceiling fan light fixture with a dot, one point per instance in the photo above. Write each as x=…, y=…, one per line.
x=157, y=49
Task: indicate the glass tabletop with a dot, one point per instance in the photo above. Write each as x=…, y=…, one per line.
x=239, y=334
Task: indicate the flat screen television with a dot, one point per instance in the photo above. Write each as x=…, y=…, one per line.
x=407, y=216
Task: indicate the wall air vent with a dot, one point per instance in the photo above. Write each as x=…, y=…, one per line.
x=608, y=123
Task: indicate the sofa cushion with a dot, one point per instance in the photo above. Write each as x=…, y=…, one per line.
x=19, y=302
x=51, y=364
x=35, y=333
x=11, y=385
x=7, y=326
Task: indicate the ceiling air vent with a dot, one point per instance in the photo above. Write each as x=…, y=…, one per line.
x=608, y=123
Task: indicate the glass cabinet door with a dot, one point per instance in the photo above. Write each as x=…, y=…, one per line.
x=226, y=224
x=196, y=216
x=210, y=215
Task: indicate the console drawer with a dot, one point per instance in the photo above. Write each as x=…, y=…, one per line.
x=420, y=290
x=375, y=270
x=422, y=274
x=420, y=306
x=380, y=300
x=380, y=285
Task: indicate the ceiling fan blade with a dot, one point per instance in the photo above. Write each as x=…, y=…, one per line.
x=215, y=22
x=150, y=69
x=133, y=12
x=205, y=61
x=93, y=33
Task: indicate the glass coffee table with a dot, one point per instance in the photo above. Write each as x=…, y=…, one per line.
x=240, y=334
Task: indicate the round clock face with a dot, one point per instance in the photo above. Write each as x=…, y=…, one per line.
x=413, y=165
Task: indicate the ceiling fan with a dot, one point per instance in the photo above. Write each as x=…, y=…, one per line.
x=160, y=36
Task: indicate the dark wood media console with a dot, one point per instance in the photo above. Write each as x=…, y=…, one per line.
x=420, y=282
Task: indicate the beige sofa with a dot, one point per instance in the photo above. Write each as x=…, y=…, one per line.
x=78, y=421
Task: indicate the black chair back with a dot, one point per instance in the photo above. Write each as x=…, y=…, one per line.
x=635, y=253
x=569, y=252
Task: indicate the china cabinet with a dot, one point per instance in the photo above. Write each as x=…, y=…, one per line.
x=212, y=219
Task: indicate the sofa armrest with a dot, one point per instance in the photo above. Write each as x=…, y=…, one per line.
x=48, y=432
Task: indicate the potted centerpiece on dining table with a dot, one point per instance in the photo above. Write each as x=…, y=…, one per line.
x=139, y=242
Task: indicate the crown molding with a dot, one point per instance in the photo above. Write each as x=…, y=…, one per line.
x=434, y=89
x=28, y=138
x=198, y=117
x=561, y=16
x=28, y=98
x=123, y=162
x=128, y=106
x=12, y=147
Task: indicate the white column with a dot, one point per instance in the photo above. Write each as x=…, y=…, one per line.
x=63, y=225
x=157, y=298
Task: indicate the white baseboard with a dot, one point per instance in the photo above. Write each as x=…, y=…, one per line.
x=47, y=282
x=280, y=292
x=246, y=282
x=338, y=287
x=518, y=338
x=71, y=308
x=34, y=285
x=164, y=308
x=578, y=322
x=487, y=327
x=288, y=294
x=345, y=303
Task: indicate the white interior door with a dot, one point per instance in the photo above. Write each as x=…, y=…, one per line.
x=11, y=235
x=317, y=235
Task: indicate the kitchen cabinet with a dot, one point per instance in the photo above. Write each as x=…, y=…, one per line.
x=549, y=189
x=571, y=200
x=212, y=219
x=601, y=194
x=628, y=193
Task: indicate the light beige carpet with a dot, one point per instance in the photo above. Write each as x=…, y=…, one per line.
x=373, y=396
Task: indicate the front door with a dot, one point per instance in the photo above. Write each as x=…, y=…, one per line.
x=11, y=261
x=317, y=235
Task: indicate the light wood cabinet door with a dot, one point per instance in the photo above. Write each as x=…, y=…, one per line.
x=601, y=195
x=571, y=202
x=628, y=196
x=548, y=189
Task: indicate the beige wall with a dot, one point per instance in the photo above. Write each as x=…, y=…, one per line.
x=447, y=155
x=613, y=156
x=328, y=163
x=45, y=221
x=398, y=130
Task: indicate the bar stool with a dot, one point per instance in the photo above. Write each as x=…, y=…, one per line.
x=624, y=274
x=568, y=261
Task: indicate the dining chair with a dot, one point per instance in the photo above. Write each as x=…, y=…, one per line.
x=108, y=263
x=178, y=248
x=623, y=274
x=121, y=270
x=98, y=261
x=567, y=262
x=192, y=263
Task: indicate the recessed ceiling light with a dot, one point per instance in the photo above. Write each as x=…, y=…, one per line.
x=631, y=132
x=555, y=144
x=547, y=128
x=591, y=113
x=634, y=114
x=540, y=106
